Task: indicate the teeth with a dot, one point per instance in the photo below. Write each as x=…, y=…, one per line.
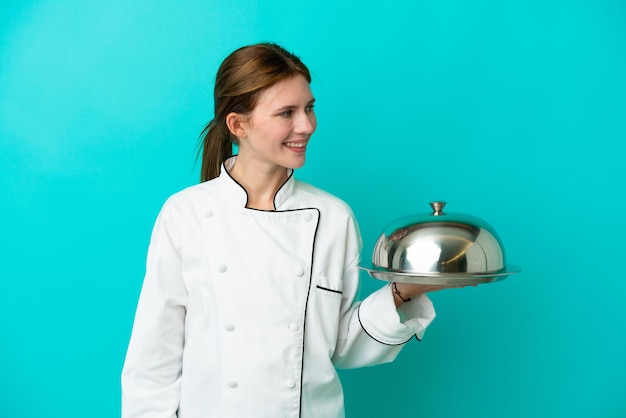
x=294, y=145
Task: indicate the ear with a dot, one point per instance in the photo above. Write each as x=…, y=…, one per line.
x=235, y=122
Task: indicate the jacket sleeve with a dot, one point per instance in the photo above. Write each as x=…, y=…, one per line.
x=373, y=331
x=152, y=369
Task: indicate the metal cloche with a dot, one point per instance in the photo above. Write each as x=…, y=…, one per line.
x=439, y=248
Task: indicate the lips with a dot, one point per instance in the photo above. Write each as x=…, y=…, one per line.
x=296, y=146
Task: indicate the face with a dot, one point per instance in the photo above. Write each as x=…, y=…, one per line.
x=278, y=130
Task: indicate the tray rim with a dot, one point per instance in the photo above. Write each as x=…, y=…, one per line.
x=433, y=278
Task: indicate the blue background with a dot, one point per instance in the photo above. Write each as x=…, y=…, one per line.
x=514, y=111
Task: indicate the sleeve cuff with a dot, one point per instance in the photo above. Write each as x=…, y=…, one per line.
x=383, y=322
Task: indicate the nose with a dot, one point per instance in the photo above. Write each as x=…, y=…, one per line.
x=306, y=123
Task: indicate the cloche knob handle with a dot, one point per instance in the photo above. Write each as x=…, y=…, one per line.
x=437, y=208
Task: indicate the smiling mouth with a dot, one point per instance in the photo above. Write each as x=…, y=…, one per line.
x=295, y=145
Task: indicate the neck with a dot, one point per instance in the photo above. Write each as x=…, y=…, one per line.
x=261, y=183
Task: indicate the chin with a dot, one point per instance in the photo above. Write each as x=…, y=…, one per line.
x=295, y=164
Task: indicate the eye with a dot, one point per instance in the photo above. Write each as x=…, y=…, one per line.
x=286, y=114
x=310, y=108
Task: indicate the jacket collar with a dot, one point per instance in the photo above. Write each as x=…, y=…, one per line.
x=237, y=194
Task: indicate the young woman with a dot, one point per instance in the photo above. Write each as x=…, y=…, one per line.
x=248, y=303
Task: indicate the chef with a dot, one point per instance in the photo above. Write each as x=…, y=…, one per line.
x=249, y=299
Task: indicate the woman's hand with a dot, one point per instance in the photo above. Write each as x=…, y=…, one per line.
x=403, y=292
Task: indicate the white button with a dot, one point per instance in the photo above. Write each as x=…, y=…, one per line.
x=222, y=268
x=294, y=327
x=290, y=383
x=308, y=217
x=229, y=327
x=299, y=271
x=209, y=213
x=232, y=384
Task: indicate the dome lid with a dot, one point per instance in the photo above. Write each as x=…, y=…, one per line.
x=439, y=248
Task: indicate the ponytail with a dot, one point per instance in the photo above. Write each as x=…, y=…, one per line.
x=216, y=147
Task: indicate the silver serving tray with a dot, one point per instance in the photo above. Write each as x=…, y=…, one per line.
x=451, y=279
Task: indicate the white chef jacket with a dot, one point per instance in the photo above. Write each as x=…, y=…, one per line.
x=246, y=313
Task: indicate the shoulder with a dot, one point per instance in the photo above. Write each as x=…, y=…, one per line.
x=196, y=191
x=189, y=200
x=337, y=219
x=334, y=212
x=317, y=197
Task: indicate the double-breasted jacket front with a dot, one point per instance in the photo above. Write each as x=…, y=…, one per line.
x=246, y=313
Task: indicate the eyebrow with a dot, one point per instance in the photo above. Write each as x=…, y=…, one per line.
x=291, y=107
